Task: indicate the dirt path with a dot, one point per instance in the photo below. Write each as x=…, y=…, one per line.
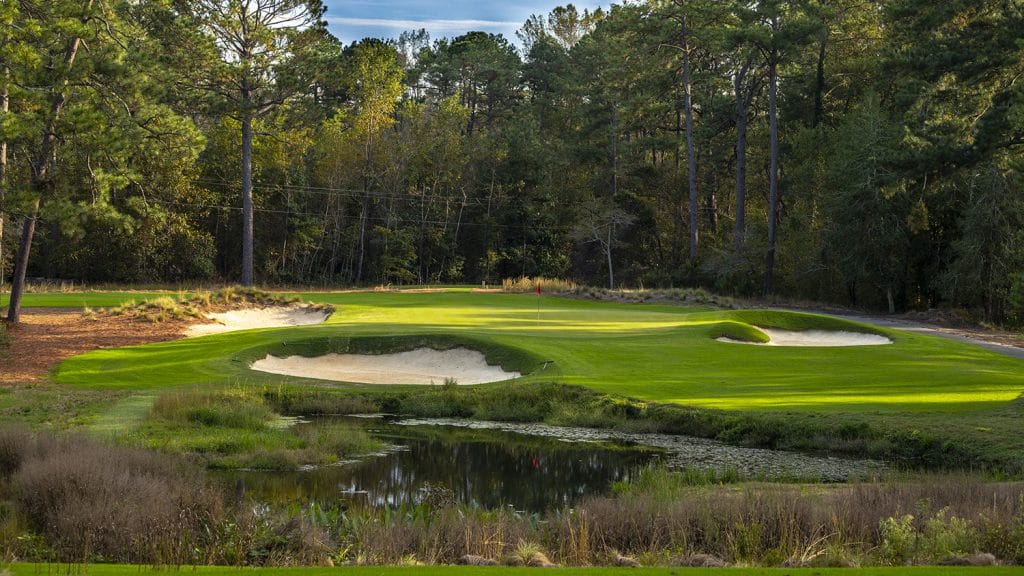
x=46, y=336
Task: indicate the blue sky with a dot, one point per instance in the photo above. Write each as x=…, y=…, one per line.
x=352, y=20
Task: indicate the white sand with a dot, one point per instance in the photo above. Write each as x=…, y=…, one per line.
x=420, y=366
x=821, y=338
x=274, y=317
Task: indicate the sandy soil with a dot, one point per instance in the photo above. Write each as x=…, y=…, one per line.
x=815, y=338
x=420, y=366
x=247, y=319
x=47, y=336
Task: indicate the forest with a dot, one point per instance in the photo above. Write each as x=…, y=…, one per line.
x=858, y=152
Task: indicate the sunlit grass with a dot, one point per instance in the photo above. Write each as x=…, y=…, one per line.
x=655, y=353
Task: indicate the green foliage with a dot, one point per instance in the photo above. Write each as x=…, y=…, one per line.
x=941, y=537
x=236, y=428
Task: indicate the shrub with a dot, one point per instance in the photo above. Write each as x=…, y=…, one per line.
x=94, y=501
x=526, y=284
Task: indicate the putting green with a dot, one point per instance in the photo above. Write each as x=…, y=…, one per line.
x=657, y=353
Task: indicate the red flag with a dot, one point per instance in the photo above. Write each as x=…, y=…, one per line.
x=538, y=288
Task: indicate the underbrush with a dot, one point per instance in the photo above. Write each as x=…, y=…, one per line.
x=565, y=405
x=960, y=520
x=67, y=499
x=682, y=296
x=72, y=499
x=524, y=284
x=195, y=305
x=237, y=429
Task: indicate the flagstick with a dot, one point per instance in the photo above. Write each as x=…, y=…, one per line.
x=538, y=304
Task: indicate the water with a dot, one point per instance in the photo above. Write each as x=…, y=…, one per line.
x=484, y=468
x=529, y=467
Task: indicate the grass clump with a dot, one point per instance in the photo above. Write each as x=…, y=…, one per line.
x=181, y=307
x=231, y=429
x=73, y=499
x=525, y=284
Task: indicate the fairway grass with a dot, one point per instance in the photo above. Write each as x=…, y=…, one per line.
x=132, y=570
x=652, y=353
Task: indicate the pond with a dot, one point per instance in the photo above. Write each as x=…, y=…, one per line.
x=529, y=467
x=484, y=468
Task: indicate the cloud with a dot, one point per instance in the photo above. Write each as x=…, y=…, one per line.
x=436, y=25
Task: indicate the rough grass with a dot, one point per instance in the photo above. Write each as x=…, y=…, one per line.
x=525, y=284
x=194, y=305
x=24, y=569
x=235, y=428
x=87, y=500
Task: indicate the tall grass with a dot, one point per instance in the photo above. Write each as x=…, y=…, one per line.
x=71, y=499
x=549, y=285
x=87, y=500
x=236, y=428
x=753, y=524
x=164, y=308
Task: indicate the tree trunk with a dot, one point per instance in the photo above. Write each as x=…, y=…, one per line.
x=40, y=169
x=712, y=202
x=28, y=230
x=773, y=176
x=362, y=239
x=608, y=253
x=691, y=159
x=614, y=152
x=247, y=219
x=819, y=84
x=742, y=105
x=4, y=108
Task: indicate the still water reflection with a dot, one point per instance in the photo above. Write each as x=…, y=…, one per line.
x=485, y=468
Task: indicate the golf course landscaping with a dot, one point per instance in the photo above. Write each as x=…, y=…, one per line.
x=939, y=421
x=651, y=358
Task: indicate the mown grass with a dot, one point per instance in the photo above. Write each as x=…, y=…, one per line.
x=923, y=399
x=656, y=353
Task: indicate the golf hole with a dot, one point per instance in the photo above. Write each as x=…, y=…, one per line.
x=814, y=338
x=419, y=366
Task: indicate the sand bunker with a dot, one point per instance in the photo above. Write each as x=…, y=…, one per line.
x=420, y=366
x=823, y=338
x=275, y=317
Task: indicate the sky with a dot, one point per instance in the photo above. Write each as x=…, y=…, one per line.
x=352, y=20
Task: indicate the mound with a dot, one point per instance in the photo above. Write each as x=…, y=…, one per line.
x=419, y=366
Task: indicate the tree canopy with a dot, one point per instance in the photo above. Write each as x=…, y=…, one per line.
x=865, y=152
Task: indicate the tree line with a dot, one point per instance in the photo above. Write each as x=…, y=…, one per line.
x=856, y=151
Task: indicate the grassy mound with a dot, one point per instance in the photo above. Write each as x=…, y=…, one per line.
x=183, y=306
